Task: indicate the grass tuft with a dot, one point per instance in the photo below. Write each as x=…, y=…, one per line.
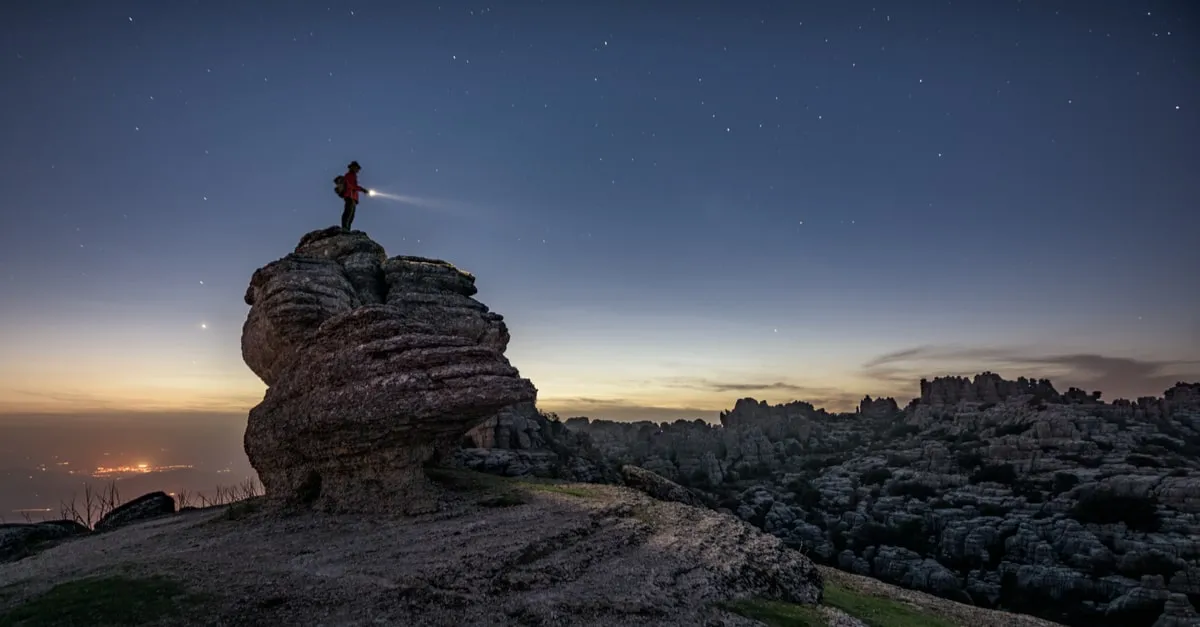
x=96, y=601
x=495, y=491
x=872, y=610
x=777, y=613
x=880, y=612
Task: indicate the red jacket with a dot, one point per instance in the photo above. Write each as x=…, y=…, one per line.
x=352, y=188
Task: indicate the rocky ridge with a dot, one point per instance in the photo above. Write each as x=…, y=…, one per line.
x=522, y=441
x=497, y=552
x=988, y=491
x=373, y=365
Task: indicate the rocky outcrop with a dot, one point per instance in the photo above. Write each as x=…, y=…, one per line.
x=20, y=540
x=1004, y=493
x=373, y=364
x=556, y=554
x=522, y=441
x=144, y=507
x=1178, y=612
x=987, y=387
x=878, y=408
x=659, y=487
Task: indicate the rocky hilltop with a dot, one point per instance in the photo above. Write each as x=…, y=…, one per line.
x=522, y=441
x=373, y=365
x=376, y=366
x=988, y=491
x=497, y=552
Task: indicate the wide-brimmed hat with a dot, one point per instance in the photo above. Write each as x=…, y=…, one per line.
x=354, y=166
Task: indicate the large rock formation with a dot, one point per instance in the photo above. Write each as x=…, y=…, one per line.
x=522, y=441
x=997, y=492
x=372, y=363
x=987, y=387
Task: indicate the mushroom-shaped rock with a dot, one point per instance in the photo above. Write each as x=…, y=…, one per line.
x=372, y=364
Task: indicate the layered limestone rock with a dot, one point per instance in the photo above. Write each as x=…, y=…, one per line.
x=878, y=407
x=1003, y=493
x=372, y=364
x=522, y=441
x=987, y=387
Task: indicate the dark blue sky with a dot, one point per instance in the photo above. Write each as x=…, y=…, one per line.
x=673, y=204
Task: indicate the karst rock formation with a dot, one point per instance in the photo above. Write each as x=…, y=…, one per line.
x=998, y=492
x=372, y=364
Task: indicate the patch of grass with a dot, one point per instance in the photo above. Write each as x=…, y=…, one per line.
x=495, y=491
x=242, y=509
x=643, y=514
x=114, y=600
x=9, y=591
x=777, y=613
x=508, y=499
x=570, y=490
x=874, y=611
x=879, y=612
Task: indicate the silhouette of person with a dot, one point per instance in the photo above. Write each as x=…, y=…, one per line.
x=349, y=194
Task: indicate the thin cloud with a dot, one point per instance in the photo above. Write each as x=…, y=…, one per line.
x=709, y=385
x=623, y=411
x=14, y=400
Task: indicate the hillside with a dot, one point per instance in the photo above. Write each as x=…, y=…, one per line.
x=992, y=492
x=498, y=552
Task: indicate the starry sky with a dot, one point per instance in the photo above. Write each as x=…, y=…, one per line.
x=674, y=205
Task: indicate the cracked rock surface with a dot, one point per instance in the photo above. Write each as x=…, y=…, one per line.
x=372, y=364
x=562, y=554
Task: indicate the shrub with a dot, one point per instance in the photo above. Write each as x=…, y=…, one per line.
x=1086, y=462
x=875, y=476
x=991, y=509
x=807, y=496
x=1102, y=507
x=1142, y=461
x=912, y=489
x=969, y=459
x=909, y=534
x=1000, y=473
x=903, y=430
x=1013, y=429
x=1150, y=564
x=1063, y=482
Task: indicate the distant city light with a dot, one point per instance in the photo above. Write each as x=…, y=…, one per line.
x=140, y=468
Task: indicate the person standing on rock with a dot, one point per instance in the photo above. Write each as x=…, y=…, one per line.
x=348, y=188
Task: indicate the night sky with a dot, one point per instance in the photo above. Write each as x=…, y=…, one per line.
x=674, y=205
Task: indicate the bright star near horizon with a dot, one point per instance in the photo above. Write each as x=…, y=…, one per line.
x=203, y=325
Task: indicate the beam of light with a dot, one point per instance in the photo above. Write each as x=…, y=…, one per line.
x=462, y=210
x=374, y=193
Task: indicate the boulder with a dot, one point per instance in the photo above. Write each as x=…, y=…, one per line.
x=20, y=540
x=372, y=365
x=659, y=487
x=144, y=507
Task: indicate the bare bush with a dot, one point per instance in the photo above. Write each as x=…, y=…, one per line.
x=96, y=503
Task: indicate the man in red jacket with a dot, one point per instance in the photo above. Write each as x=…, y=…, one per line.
x=350, y=190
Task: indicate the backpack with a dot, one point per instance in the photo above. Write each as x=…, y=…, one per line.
x=339, y=185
